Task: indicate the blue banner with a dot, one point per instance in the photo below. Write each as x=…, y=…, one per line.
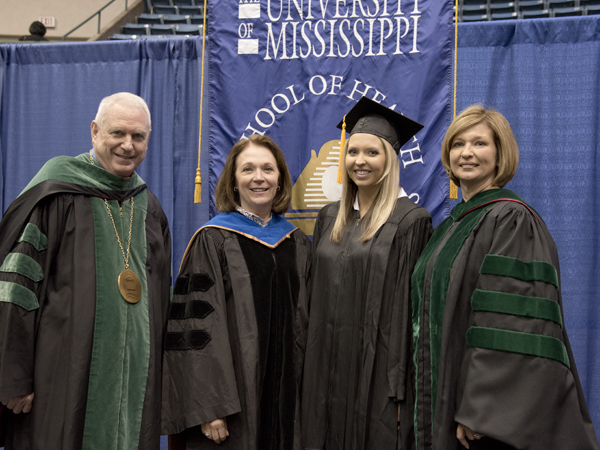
x=291, y=69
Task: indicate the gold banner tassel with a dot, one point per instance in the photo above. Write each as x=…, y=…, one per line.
x=198, y=190
x=453, y=190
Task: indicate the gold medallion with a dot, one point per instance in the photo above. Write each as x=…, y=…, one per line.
x=130, y=286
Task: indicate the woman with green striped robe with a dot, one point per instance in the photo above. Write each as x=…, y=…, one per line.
x=494, y=365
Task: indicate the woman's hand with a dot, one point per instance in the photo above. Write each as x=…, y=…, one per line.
x=22, y=403
x=463, y=432
x=215, y=430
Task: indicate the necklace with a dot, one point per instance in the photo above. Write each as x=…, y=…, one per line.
x=128, y=282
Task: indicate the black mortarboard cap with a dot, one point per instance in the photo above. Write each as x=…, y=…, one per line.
x=368, y=116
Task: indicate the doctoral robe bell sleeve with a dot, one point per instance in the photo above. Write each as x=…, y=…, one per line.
x=198, y=366
x=518, y=369
x=23, y=277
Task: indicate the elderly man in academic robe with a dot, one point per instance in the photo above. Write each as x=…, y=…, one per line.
x=84, y=295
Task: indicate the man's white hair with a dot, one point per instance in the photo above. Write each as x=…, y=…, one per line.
x=126, y=99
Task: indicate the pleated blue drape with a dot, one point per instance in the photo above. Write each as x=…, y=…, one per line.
x=50, y=94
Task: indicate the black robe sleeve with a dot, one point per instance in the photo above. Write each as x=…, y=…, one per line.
x=407, y=247
x=518, y=382
x=21, y=294
x=199, y=378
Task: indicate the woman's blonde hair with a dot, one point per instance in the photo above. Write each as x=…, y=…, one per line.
x=382, y=206
x=507, y=150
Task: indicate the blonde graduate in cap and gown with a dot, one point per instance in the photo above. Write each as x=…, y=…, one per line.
x=357, y=390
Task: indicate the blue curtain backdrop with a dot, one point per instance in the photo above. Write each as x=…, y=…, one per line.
x=542, y=74
x=50, y=94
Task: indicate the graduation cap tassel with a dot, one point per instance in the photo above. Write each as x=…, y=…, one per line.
x=342, y=145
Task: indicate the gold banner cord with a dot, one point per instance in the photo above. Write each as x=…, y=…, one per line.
x=453, y=187
x=198, y=180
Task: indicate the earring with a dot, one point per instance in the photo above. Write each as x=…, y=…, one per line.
x=278, y=187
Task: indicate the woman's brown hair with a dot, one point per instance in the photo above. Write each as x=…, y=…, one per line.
x=227, y=199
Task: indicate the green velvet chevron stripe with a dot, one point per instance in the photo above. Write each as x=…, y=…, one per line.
x=34, y=236
x=521, y=270
x=518, y=305
x=23, y=265
x=518, y=342
x=19, y=295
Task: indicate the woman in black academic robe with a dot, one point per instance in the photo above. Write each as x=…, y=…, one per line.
x=494, y=365
x=237, y=326
x=357, y=384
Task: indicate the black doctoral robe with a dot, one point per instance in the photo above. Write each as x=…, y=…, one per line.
x=92, y=360
x=358, y=366
x=236, y=335
x=491, y=349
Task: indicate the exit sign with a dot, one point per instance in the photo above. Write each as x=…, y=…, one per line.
x=49, y=22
